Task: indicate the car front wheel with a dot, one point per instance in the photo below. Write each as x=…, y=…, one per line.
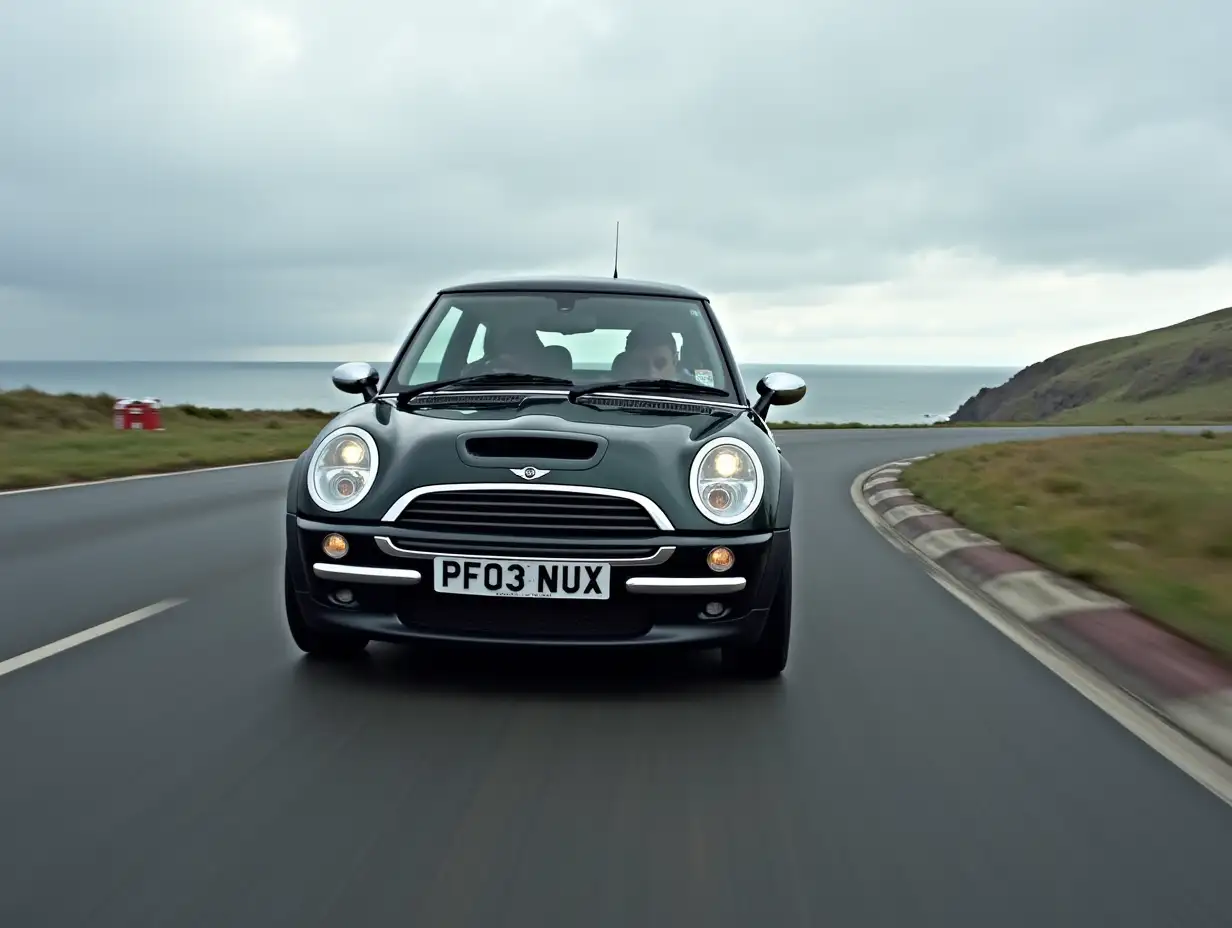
x=766, y=657
x=315, y=641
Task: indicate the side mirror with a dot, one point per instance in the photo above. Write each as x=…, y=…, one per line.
x=357, y=377
x=778, y=389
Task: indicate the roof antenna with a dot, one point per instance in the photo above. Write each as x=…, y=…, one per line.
x=616, y=263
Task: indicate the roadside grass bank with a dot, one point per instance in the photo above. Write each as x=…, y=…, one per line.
x=49, y=439
x=789, y=425
x=1144, y=517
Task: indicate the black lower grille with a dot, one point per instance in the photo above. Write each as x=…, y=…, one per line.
x=522, y=618
x=546, y=514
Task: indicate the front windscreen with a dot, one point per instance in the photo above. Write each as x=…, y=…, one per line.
x=579, y=337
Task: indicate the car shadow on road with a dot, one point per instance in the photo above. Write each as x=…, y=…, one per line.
x=503, y=672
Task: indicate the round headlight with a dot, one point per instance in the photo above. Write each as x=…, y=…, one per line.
x=726, y=480
x=342, y=469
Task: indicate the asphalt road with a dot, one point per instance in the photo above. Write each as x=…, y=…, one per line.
x=913, y=766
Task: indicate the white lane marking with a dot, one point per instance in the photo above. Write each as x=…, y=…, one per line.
x=1036, y=595
x=56, y=647
x=942, y=541
x=170, y=473
x=901, y=513
x=1193, y=758
x=882, y=495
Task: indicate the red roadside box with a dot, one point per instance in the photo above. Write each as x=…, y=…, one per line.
x=119, y=413
x=153, y=415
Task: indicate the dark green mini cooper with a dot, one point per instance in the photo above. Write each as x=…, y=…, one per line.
x=554, y=462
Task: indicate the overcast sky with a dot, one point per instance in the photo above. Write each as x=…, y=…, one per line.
x=900, y=181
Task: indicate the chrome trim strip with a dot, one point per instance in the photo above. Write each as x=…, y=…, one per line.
x=391, y=547
x=662, y=397
x=395, y=576
x=683, y=585
x=652, y=508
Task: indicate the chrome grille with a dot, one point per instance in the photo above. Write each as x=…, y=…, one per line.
x=531, y=512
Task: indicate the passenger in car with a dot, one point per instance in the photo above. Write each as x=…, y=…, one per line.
x=650, y=352
x=559, y=361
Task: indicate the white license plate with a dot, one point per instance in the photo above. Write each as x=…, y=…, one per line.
x=534, y=579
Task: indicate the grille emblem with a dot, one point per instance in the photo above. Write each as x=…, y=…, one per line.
x=529, y=473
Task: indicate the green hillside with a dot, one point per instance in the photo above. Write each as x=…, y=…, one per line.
x=1178, y=374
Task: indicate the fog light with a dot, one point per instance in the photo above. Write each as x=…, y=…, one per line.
x=335, y=546
x=344, y=596
x=720, y=559
x=713, y=609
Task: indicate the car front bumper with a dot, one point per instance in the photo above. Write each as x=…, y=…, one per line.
x=656, y=600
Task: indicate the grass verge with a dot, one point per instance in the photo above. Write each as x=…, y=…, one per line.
x=1145, y=517
x=48, y=439
x=789, y=425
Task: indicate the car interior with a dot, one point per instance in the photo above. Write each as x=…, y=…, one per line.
x=576, y=337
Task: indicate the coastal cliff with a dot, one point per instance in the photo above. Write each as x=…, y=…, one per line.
x=1181, y=373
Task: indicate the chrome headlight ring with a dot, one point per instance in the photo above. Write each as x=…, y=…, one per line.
x=343, y=469
x=726, y=480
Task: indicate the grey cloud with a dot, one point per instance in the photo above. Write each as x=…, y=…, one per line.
x=152, y=168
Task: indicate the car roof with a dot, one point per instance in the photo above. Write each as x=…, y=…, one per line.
x=585, y=284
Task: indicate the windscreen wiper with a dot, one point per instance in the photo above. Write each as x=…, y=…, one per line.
x=491, y=379
x=655, y=385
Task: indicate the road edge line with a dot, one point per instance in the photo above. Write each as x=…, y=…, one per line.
x=130, y=477
x=1143, y=716
x=68, y=642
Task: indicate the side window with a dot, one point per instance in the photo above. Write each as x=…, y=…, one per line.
x=476, y=349
x=427, y=367
x=434, y=351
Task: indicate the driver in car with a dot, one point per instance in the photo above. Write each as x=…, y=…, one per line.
x=509, y=348
x=650, y=353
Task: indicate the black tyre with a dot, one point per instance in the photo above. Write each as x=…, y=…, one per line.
x=766, y=657
x=325, y=644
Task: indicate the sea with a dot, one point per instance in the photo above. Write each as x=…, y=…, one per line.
x=873, y=395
